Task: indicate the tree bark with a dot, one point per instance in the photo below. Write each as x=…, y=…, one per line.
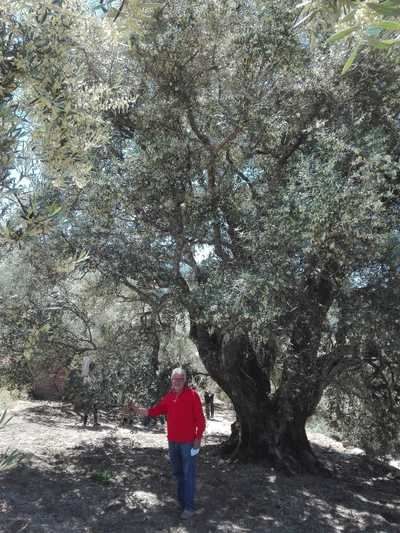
x=269, y=427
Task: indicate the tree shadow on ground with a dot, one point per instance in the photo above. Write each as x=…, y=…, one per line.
x=122, y=488
x=63, y=415
x=51, y=414
x=367, y=485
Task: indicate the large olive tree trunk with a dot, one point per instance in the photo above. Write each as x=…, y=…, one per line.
x=270, y=425
x=275, y=433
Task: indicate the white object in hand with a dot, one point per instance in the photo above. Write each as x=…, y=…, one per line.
x=194, y=451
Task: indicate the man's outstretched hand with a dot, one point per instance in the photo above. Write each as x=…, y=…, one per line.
x=137, y=409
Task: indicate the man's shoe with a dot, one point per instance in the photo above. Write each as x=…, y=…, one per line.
x=187, y=515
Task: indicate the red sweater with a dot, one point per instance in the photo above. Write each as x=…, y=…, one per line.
x=185, y=418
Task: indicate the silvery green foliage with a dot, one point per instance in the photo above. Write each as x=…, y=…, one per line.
x=362, y=25
x=365, y=404
x=9, y=130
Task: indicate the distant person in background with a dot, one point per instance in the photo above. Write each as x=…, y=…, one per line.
x=185, y=427
x=91, y=395
x=83, y=391
x=212, y=404
x=209, y=403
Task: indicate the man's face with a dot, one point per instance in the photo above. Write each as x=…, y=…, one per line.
x=178, y=382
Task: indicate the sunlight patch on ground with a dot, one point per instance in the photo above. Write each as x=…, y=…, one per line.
x=145, y=498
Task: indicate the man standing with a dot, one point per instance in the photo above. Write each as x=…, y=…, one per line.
x=185, y=425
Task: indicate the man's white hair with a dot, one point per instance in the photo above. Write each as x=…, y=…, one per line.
x=179, y=371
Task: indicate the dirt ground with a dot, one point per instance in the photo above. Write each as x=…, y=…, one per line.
x=117, y=480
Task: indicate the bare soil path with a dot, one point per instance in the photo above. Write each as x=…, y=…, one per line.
x=117, y=480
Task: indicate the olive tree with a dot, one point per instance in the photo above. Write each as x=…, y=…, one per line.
x=236, y=179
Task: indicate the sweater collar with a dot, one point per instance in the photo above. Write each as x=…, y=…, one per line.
x=178, y=394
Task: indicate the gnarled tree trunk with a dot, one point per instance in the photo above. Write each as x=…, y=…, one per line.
x=269, y=426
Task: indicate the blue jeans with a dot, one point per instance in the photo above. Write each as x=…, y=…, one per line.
x=184, y=470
